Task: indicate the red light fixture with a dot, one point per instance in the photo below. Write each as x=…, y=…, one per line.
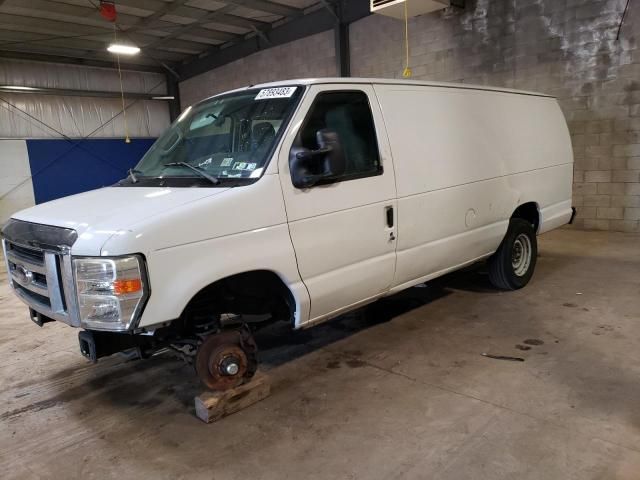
x=108, y=10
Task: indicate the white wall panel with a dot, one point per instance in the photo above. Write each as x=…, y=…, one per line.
x=78, y=116
x=16, y=189
x=76, y=77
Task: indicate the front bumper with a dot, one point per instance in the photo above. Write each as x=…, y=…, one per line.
x=38, y=261
x=95, y=344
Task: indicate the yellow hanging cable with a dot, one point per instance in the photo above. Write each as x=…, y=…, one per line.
x=124, y=108
x=407, y=71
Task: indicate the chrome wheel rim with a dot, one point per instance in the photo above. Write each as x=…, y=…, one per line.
x=521, y=255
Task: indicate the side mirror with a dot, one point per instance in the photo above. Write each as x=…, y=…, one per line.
x=309, y=167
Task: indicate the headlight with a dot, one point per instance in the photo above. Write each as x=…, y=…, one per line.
x=111, y=291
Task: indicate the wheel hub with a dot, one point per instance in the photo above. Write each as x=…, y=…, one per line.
x=521, y=255
x=225, y=360
x=230, y=366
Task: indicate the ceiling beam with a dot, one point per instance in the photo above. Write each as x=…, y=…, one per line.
x=97, y=43
x=215, y=15
x=211, y=16
x=89, y=16
x=79, y=53
x=83, y=93
x=87, y=62
x=237, y=21
x=39, y=25
x=83, y=13
x=195, y=12
x=35, y=26
x=169, y=8
x=166, y=9
x=317, y=21
x=267, y=7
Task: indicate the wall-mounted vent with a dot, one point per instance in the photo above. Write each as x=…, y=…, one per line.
x=395, y=8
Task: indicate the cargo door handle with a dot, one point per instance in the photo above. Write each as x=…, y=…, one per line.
x=389, y=215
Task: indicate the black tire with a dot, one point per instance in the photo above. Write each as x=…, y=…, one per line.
x=512, y=266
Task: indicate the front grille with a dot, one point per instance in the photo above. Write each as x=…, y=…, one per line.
x=40, y=299
x=27, y=267
x=40, y=272
x=61, y=282
x=29, y=254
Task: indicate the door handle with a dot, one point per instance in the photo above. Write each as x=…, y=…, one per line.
x=389, y=215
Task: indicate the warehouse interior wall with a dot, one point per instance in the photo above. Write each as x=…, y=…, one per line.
x=313, y=56
x=76, y=117
x=566, y=48
x=16, y=188
x=52, y=146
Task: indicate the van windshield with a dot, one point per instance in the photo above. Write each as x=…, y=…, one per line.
x=227, y=139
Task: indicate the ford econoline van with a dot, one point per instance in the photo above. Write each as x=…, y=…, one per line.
x=295, y=201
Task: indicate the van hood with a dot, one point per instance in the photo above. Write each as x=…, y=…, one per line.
x=99, y=214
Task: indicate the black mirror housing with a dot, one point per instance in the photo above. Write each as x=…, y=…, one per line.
x=309, y=167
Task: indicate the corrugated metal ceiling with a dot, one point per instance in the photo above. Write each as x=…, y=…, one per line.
x=169, y=32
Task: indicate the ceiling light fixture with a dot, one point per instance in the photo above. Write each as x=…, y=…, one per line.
x=18, y=88
x=123, y=49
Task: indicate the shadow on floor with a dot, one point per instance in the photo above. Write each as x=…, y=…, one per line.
x=150, y=382
x=278, y=344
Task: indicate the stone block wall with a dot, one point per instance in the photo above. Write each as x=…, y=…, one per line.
x=313, y=56
x=566, y=48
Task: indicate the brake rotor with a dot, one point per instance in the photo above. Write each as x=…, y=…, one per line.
x=226, y=360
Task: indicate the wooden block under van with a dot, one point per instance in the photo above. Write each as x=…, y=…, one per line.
x=212, y=406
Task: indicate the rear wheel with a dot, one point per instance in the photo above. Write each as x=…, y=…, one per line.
x=512, y=266
x=227, y=359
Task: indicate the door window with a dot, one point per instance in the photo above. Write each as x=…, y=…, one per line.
x=348, y=114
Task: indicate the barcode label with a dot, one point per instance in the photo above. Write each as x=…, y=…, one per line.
x=280, y=92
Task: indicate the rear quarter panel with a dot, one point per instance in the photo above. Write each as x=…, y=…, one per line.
x=465, y=159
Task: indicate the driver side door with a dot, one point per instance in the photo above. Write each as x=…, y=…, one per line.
x=343, y=228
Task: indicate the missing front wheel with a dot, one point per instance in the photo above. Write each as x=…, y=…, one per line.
x=227, y=359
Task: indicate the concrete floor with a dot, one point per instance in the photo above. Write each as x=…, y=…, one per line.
x=398, y=390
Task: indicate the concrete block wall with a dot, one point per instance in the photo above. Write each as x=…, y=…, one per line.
x=312, y=56
x=566, y=48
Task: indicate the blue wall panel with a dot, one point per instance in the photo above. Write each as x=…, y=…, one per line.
x=64, y=167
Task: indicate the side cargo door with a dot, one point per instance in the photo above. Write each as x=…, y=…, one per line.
x=344, y=227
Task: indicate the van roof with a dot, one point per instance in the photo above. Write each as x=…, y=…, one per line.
x=391, y=81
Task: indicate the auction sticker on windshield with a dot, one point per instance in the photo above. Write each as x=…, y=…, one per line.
x=280, y=92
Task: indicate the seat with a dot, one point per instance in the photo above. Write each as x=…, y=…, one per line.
x=340, y=120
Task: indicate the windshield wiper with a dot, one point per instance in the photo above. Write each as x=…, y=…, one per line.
x=131, y=173
x=199, y=171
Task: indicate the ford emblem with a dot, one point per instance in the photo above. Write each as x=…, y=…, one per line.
x=22, y=275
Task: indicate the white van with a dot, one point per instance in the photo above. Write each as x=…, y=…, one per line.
x=295, y=201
